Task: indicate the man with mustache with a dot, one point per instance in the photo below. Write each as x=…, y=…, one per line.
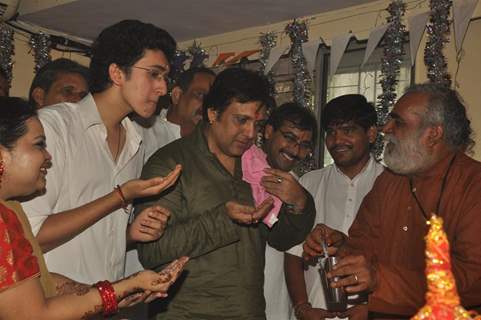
x=289, y=138
x=187, y=97
x=214, y=220
x=349, y=123
x=61, y=80
x=427, y=134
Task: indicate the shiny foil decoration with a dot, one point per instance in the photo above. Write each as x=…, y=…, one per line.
x=198, y=55
x=6, y=50
x=297, y=31
x=393, y=52
x=178, y=64
x=438, y=36
x=267, y=41
x=442, y=298
x=41, y=46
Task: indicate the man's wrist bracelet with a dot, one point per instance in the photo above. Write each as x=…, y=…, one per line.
x=123, y=201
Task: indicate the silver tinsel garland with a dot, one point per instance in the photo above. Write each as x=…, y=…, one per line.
x=198, y=55
x=393, y=51
x=41, y=45
x=267, y=41
x=438, y=32
x=178, y=63
x=6, y=50
x=297, y=31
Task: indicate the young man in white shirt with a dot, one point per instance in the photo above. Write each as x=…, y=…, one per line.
x=349, y=122
x=289, y=137
x=82, y=219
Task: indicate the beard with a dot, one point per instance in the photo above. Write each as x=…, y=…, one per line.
x=407, y=156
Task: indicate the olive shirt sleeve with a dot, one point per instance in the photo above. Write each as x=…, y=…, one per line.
x=185, y=235
x=292, y=228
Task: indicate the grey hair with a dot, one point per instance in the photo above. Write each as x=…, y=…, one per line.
x=445, y=107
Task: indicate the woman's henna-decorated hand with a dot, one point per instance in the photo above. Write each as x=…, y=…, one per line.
x=149, y=285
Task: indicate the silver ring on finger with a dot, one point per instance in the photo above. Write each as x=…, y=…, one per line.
x=356, y=278
x=279, y=179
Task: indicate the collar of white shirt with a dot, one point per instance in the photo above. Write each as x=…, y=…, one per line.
x=367, y=167
x=90, y=116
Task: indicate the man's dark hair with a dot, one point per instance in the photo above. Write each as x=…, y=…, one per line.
x=124, y=43
x=14, y=113
x=349, y=108
x=48, y=74
x=186, y=77
x=302, y=118
x=446, y=108
x=3, y=74
x=236, y=84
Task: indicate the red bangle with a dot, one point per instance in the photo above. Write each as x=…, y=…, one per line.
x=109, y=301
x=124, y=203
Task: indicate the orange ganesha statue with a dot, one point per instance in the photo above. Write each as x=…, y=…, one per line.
x=442, y=299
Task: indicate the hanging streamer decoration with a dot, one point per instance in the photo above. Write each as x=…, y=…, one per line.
x=393, y=51
x=297, y=31
x=178, y=63
x=198, y=55
x=6, y=50
x=41, y=45
x=267, y=41
x=438, y=32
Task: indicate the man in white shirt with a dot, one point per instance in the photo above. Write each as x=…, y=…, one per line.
x=81, y=220
x=349, y=123
x=187, y=97
x=289, y=137
x=185, y=109
x=61, y=80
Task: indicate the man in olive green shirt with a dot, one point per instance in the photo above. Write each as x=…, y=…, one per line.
x=213, y=218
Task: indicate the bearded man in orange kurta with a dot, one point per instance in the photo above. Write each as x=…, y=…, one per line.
x=427, y=136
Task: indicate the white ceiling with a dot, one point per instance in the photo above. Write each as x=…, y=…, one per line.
x=184, y=19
